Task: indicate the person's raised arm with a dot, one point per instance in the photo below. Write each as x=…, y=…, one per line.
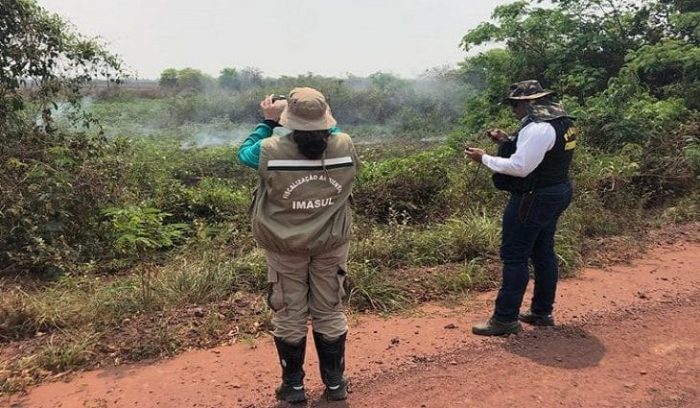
x=249, y=151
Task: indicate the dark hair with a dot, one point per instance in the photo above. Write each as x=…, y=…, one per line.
x=311, y=143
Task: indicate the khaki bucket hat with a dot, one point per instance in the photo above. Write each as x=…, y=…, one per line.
x=307, y=109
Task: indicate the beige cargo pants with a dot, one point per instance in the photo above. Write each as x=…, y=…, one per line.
x=301, y=286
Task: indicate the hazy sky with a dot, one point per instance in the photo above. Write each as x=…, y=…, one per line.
x=280, y=37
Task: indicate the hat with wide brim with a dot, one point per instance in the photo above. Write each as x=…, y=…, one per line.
x=308, y=110
x=527, y=91
x=545, y=109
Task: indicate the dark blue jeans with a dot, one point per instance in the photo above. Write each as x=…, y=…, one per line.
x=528, y=233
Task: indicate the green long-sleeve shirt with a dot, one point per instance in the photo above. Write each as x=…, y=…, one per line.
x=249, y=151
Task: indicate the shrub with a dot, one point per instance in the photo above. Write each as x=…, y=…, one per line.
x=218, y=199
x=50, y=189
x=409, y=189
x=138, y=230
x=370, y=290
x=458, y=239
x=69, y=353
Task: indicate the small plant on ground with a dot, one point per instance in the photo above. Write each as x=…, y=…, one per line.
x=138, y=231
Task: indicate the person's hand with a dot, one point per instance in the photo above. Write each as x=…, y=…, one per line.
x=497, y=135
x=272, y=110
x=474, y=154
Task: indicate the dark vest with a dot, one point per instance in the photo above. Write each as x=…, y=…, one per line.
x=554, y=168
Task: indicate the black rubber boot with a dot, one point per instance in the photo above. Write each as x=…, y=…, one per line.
x=331, y=357
x=292, y=361
x=536, y=319
x=494, y=327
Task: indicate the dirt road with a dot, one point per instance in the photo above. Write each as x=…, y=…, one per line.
x=628, y=337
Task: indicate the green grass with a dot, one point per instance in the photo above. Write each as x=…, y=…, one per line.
x=459, y=280
x=79, y=301
x=458, y=239
x=385, y=276
x=212, y=278
x=70, y=351
x=371, y=290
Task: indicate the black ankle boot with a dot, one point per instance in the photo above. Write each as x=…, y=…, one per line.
x=331, y=357
x=536, y=319
x=292, y=361
x=493, y=327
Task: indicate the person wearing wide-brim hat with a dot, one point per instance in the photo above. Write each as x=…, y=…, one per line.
x=301, y=217
x=533, y=165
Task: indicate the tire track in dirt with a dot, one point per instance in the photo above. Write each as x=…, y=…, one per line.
x=399, y=357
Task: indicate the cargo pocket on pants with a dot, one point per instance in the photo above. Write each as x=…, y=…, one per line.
x=275, y=294
x=342, y=275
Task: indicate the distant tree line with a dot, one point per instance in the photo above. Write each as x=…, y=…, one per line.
x=194, y=79
x=433, y=102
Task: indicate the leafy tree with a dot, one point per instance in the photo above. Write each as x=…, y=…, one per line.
x=686, y=19
x=251, y=77
x=670, y=68
x=386, y=95
x=628, y=69
x=229, y=78
x=50, y=184
x=41, y=53
x=384, y=81
x=491, y=72
x=577, y=45
x=168, y=78
x=190, y=78
x=186, y=78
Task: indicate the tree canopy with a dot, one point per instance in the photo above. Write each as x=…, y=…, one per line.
x=628, y=70
x=577, y=45
x=46, y=190
x=43, y=54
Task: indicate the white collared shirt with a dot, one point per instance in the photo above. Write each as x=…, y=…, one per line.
x=534, y=141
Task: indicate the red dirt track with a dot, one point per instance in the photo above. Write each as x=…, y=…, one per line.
x=628, y=336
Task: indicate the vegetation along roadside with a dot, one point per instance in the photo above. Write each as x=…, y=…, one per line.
x=124, y=232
